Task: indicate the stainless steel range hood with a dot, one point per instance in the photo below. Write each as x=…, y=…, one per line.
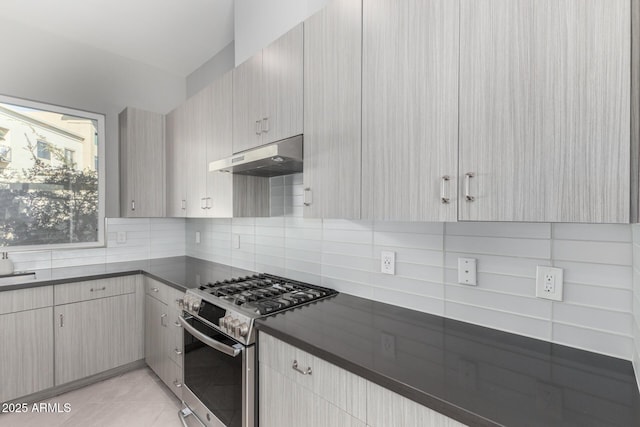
x=280, y=158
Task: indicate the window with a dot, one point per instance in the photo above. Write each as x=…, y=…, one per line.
x=43, y=151
x=68, y=157
x=52, y=190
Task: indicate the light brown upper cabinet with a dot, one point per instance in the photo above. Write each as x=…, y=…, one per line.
x=142, y=164
x=410, y=109
x=176, y=162
x=545, y=110
x=267, y=93
x=332, y=106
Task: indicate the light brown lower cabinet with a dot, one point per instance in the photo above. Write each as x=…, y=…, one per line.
x=163, y=334
x=316, y=393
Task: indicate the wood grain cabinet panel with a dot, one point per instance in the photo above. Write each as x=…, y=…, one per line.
x=94, y=336
x=410, y=109
x=267, y=93
x=142, y=164
x=26, y=299
x=176, y=163
x=26, y=352
x=545, y=110
x=333, y=110
x=282, y=86
x=92, y=289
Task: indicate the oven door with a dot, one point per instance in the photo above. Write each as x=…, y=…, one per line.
x=219, y=376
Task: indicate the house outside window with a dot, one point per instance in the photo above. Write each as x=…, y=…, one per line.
x=43, y=203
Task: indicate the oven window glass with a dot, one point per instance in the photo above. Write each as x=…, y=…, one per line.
x=214, y=377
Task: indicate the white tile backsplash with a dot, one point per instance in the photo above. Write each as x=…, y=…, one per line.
x=595, y=315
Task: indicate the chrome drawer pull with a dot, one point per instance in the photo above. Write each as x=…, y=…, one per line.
x=467, y=183
x=104, y=288
x=443, y=195
x=177, y=384
x=155, y=289
x=295, y=368
x=178, y=352
x=177, y=324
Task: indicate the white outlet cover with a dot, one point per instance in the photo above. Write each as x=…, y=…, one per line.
x=388, y=262
x=197, y=237
x=236, y=241
x=467, y=271
x=542, y=272
x=121, y=237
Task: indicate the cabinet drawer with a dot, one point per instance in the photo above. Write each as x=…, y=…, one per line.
x=173, y=377
x=93, y=289
x=26, y=299
x=156, y=289
x=174, y=338
x=338, y=386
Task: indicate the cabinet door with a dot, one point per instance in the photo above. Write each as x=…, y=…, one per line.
x=544, y=110
x=333, y=106
x=156, y=319
x=26, y=352
x=220, y=145
x=410, y=109
x=142, y=148
x=94, y=336
x=247, y=114
x=282, y=74
x=199, y=116
x=176, y=159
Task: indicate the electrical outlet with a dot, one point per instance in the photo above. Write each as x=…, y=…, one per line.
x=549, y=283
x=467, y=271
x=197, y=237
x=236, y=241
x=121, y=237
x=388, y=344
x=388, y=262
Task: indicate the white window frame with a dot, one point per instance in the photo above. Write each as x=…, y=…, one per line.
x=101, y=121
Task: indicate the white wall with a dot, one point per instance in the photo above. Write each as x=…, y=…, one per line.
x=211, y=70
x=40, y=66
x=636, y=300
x=259, y=22
x=596, y=313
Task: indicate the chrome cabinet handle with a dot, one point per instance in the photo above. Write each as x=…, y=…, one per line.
x=104, y=288
x=467, y=183
x=177, y=384
x=177, y=324
x=133, y=205
x=202, y=203
x=207, y=204
x=303, y=372
x=183, y=204
x=178, y=352
x=308, y=197
x=62, y=320
x=162, y=317
x=443, y=195
x=155, y=289
x=258, y=127
x=265, y=125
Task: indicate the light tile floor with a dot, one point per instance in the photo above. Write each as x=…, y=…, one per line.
x=135, y=399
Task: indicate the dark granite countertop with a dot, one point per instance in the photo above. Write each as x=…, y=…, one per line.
x=476, y=375
x=178, y=272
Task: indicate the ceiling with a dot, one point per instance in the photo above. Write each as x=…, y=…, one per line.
x=177, y=36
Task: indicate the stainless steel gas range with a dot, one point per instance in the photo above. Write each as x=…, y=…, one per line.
x=219, y=336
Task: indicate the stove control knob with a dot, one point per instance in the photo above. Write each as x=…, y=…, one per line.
x=180, y=303
x=225, y=322
x=195, y=306
x=233, y=328
x=242, y=330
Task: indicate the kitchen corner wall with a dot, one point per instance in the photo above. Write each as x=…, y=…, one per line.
x=636, y=300
x=145, y=238
x=596, y=313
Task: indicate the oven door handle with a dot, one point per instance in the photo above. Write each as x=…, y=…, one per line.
x=231, y=351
